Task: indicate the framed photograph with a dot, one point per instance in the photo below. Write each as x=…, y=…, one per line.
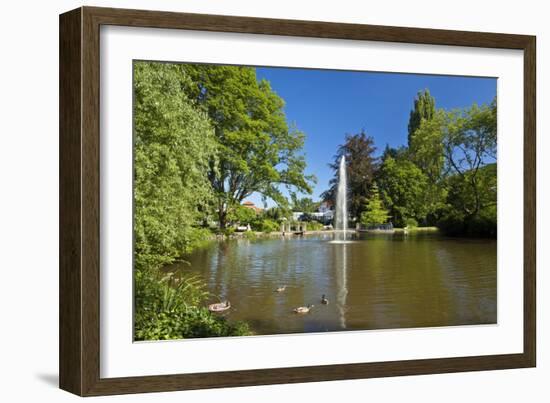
x=249, y=201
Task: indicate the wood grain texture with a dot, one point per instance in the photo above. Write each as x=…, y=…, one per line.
x=80, y=200
x=70, y=186
x=530, y=202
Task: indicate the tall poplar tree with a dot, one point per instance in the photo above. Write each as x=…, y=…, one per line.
x=424, y=109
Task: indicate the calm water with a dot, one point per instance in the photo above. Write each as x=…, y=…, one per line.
x=378, y=281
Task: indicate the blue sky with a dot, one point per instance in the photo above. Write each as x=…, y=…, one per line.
x=328, y=104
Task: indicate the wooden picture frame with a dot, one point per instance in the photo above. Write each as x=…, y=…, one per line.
x=79, y=317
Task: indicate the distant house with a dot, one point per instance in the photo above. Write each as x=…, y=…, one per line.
x=252, y=206
x=325, y=206
x=297, y=215
x=324, y=214
x=323, y=217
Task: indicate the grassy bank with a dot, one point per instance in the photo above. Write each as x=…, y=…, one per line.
x=418, y=229
x=174, y=307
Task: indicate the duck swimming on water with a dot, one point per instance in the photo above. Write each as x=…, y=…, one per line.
x=219, y=307
x=303, y=309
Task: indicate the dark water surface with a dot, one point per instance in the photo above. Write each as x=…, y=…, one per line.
x=377, y=282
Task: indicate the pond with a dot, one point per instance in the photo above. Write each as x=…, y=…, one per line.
x=378, y=281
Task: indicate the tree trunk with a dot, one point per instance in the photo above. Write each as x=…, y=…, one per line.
x=222, y=218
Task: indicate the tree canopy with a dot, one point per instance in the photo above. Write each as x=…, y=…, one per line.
x=424, y=109
x=404, y=189
x=361, y=165
x=470, y=146
x=305, y=204
x=174, y=145
x=374, y=212
x=444, y=176
x=257, y=150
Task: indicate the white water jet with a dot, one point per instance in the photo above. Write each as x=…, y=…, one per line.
x=341, y=213
x=342, y=284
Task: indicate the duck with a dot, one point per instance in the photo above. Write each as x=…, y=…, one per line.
x=281, y=288
x=303, y=309
x=324, y=300
x=219, y=307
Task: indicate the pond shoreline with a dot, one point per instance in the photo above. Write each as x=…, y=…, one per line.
x=279, y=234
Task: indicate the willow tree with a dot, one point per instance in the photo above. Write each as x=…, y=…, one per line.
x=257, y=150
x=173, y=145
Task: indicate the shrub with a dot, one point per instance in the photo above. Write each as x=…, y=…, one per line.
x=193, y=322
x=167, y=307
x=228, y=231
x=314, y=226
x=250, y=235
x=411, y=223
x=483, y=224
x=268, y=225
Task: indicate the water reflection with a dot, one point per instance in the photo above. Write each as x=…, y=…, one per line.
x=382, y=281
x=341, y=267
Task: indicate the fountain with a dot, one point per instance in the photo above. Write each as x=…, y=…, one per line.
x=341, y=213
x=340, y=237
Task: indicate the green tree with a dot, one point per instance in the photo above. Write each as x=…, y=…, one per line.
x=424, y=109
x=426, y=147
x=278, y=213
x=174, y=145
x=404, y=188
x=470, y=143
x=361, y=168
x=374, y=212
x=426, y=151
x=242, y=215
x=257, y=150
x=395, y=153
x=305, y=205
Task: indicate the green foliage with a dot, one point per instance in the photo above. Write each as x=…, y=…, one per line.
x=374, y=212
x=250, y=235
x=470, y=144
x=314, y=226
x=404, y=187
x=468, y=213
x=424, y=109
x=411, y=223
x=455, y=150
x=426, y=146
x=174, y=143
x=257, y=151
x=241, y=215
x=361, y=168
x=305, y=205
x=278, y=213
x=470, y=148
x=267, y=225
x=174, y=147
x=194, y=322
x=167, y=307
